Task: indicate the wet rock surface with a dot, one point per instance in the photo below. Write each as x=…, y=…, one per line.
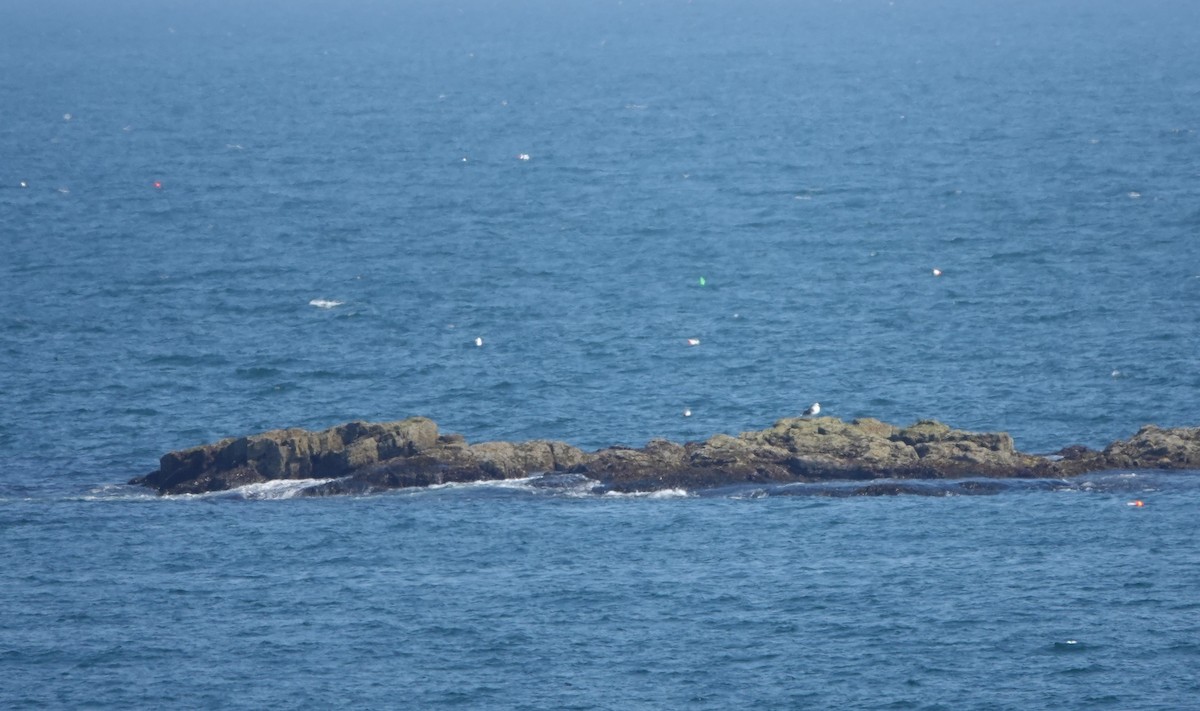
x=362, y=457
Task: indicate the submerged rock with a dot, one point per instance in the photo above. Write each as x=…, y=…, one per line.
x=361, y=457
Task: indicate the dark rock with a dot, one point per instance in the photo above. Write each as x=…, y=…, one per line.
x=288, y=454
x=452, y=460
x=360, y=457
x=892, y=488
x=1156, y=448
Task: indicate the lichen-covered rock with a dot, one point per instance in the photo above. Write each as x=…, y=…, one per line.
x=1158, y=448
x=658, y=457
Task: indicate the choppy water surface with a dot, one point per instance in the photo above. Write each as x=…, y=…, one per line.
x=509, y=596
x=221, y=220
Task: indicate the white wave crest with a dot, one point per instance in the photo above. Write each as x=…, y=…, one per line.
x=278, y=489
x=265, y=490
x=659, y=494
x=551, y=484
x=325, y=303
x=119, y=492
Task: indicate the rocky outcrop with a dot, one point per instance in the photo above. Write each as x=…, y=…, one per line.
x=361, y=457
x=1156, y=448
x=818, y=449
x=452, y=460
x=290, y=454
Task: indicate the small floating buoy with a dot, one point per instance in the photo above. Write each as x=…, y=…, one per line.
x=1136, y=503
x=937, y=272
x=693, y=341
x=24, y=184
x=479, y=341
x=687, y=412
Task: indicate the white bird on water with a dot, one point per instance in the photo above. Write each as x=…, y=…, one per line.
x=813, y=409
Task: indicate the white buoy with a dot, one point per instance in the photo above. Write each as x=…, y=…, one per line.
x=813, y=409
x=479, y=341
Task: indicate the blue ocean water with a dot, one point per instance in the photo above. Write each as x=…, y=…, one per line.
x=223, y=219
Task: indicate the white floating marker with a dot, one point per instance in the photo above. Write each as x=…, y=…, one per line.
x=479, y=342
x=24, y=184
x=687, y=412
x=937, y=272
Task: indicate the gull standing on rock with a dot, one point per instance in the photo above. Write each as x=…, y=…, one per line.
x=813, y=410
